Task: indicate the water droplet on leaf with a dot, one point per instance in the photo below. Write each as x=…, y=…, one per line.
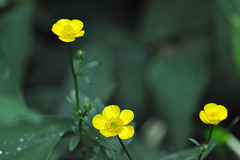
x=21, y=140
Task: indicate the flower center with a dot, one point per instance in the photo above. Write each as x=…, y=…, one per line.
x=213, y=116
x=114, y=124
x=68, y=31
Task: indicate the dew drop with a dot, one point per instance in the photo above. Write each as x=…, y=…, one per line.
x=96, y=137
x=1, y=152
x=7, y=153
x=19, y=149
x=4, y=143
x=21, y=140
x=61, y=134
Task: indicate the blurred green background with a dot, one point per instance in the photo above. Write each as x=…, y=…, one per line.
x=163, y=59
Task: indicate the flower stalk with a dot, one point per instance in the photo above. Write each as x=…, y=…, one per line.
x=125, y=149
x=74, y=75
x=210, y=134
x=205, y=147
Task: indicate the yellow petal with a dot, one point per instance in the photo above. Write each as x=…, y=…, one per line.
x=210, y=108
x=57, y=29
x=99, y=121
x=126, y=116
x=126, y=132
x=80, y=34
x=64, y=39
x=223, y=113
x=111, y=111
x=63, y=22
x=107, y=134
x=203, y=117
x=77, y=25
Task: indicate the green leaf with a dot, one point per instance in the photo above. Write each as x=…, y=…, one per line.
x=15, y=31
x=72, y=104
x=32, y=138
x=179, y=78
x=194, y=141
x=158, y=23
x=193, y=152
x=85, y=78
x=74, y=142
x=77, y=65
x=90, y=65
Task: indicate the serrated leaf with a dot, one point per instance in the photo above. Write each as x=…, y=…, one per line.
x=74, y=142
x=32, y=138
x=194, y=141
x=90, y=65
x=72, y=103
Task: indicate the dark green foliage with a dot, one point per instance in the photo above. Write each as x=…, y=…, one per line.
x=163, y=59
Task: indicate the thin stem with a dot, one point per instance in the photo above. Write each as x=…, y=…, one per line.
x=81, y=120
x=74, y=75
x=210, y=134
x=200, y=156
x=124, y=148
x=77, y=97
x=208, y=140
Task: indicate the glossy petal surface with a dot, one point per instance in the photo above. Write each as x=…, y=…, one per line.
x=112, y=123
x=99, y=121
x=111, y=111
x=67, y=30
x=213, y=114
x=127, y=132
x=126, y=116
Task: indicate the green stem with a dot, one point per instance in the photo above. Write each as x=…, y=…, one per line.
x=210, y=134
x=124, y=148
x=208, y=140
x=74, y=76
x=81, y=120
x=200, y=156
x=77, y=97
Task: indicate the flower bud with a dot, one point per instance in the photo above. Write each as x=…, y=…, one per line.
x=87, y=106
x=80, y=53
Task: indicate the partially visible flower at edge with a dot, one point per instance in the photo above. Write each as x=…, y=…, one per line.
x=112, y=123
x=67, y=30
x=213, y=114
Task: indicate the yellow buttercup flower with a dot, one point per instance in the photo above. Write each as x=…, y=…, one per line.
x=67, y=30
x=112, y=123
x=213, y=114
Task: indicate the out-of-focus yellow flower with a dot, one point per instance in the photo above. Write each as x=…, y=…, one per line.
x=112, y=123
x=67, y=30
x=213, y=114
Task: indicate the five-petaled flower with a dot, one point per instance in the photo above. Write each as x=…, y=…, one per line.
x=67, y=30
x=213, y=114
x=113, y=123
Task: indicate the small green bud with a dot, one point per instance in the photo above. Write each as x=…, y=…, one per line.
x=204, y=148
x=80, y=53
x=80, y=112
x=87, y=106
